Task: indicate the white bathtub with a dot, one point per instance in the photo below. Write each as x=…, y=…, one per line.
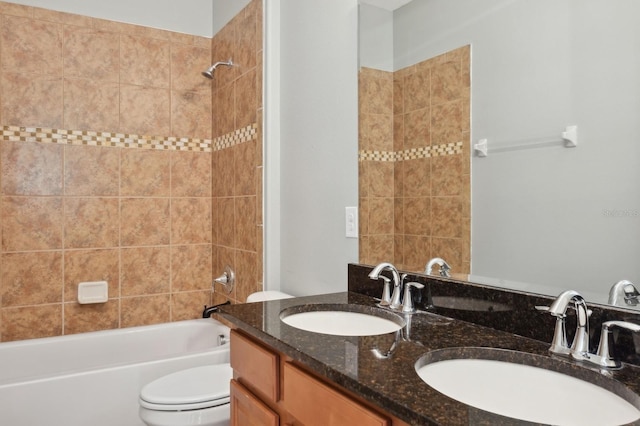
x=94, y=378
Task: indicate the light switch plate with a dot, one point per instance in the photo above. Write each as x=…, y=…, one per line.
x=351, y=222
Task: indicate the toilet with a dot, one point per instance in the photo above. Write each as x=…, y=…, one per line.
x=196, y=396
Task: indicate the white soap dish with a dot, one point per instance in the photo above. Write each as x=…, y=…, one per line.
x=93, y=292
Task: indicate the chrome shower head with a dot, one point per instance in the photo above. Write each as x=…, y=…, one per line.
x=209, y=72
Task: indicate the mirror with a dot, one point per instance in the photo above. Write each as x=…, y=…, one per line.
x=543, y=217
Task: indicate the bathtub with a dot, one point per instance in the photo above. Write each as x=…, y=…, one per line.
x=95, y=378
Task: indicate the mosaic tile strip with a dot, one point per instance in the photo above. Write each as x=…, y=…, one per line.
x=105, y=139
x=236, y=137
x=453, y=148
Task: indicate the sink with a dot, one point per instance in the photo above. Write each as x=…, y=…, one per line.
x=342, y=320
x=469, y=304
x=528, y=392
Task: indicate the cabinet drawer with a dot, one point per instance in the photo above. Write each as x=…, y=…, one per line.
x=313, y=402
x=247, y=410
x=255, y=366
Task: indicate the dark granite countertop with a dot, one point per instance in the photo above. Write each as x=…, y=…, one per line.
x=392, y=383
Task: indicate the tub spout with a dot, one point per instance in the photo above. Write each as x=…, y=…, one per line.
x=206, y=313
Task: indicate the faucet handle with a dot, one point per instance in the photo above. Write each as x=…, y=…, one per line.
x=407, y=306
x=604, y=357
x=385, y=300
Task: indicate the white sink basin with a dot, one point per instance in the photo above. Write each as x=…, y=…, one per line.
x=342, y=320
x=527, y=393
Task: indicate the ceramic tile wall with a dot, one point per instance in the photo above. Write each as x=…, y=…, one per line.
x=105, y=173
x=237, y=180
x=415, y=198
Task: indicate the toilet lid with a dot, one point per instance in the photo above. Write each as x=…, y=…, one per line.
x=199, y=387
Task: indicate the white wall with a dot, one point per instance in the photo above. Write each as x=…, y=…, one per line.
x=184, y=16
x=375, y=48
x=540, y=215
x=318, y=116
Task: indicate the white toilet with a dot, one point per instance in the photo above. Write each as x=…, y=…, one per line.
x=197, y=396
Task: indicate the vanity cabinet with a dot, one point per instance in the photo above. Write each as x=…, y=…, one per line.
x=270, y=389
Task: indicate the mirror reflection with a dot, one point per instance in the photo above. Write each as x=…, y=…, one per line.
x=533, y=214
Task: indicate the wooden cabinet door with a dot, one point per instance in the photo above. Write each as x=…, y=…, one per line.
x=247, y=410
x=255, y=366
x=314, y=403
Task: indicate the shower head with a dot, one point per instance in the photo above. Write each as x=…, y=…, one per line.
x=209, y=72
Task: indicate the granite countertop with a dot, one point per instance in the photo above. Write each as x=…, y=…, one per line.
x=392, y=383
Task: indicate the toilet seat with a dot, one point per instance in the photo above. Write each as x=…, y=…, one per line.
x=192, y=389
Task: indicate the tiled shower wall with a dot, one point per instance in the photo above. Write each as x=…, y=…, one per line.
x=106, y=171
x=415, y=198
x=237, y=125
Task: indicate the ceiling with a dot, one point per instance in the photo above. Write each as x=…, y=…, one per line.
x=386, y=4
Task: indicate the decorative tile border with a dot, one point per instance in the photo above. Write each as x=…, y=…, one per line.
x=236, y=137
x=453, y=148
x=122, y=140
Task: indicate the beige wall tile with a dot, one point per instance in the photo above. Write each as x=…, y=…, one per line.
x=91, y=54
x=31, y=223
x=191, y=221
x=417, y=129
x=417, y=87
x=16, y=9
x=31, y=278
x=145, y=270
x=31, y=168
x=447, y=79
x=381, y=179
x=245, y=223
x=245, y=168
x=94, y=317
x=381, y=216
x=32, y=100
x=189, y=305
x=91, y=222
x=135, y=80
x=447, y=216
x=223, y=108
x=91, y=265
x=145, y=310
x=91, y=105
x=191, y=114
x=376, y=132
x=31, y=322
x=190, y=174
x=31, y=46
x=145, y=61
x=246, y=43
x=247, y=274
x=447, y=123
x=187, y=63
x=91, y=171
x=191, y=268
x=447, y=175
x=145, y=173
x=144, y=221
x=245, y=102
x=417, y=178
x=145, y=110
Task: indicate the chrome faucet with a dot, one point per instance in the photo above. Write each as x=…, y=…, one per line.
x=444, y=267
x=624, y=293
x=407, y=302
x=604, y=357
x=394, y=301
x=579, y=348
